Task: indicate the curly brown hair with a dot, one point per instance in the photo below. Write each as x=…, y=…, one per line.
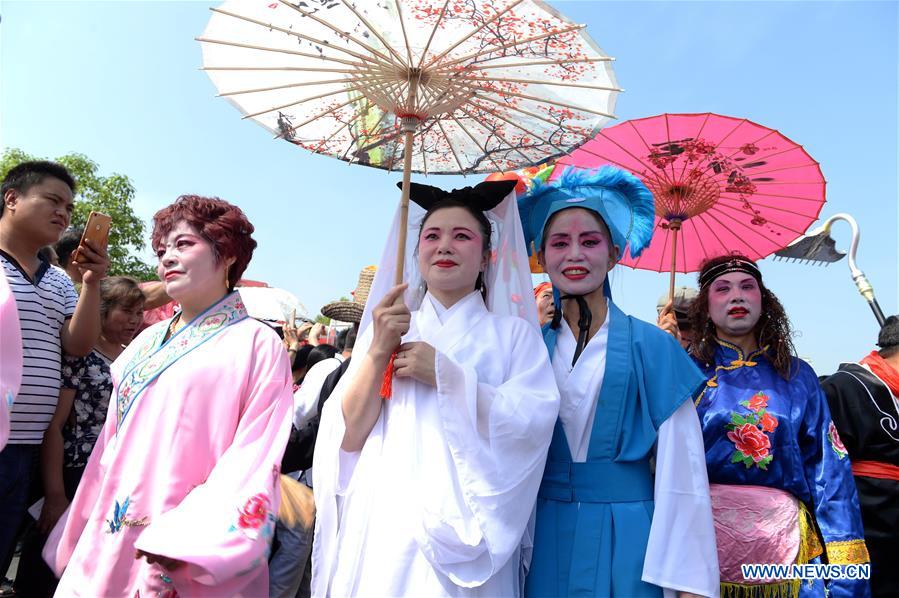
x=223, y=224
x=773, y=329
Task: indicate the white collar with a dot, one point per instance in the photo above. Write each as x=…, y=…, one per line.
x=442, y=312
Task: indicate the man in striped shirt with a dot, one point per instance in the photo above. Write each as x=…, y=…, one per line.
x=38, y=198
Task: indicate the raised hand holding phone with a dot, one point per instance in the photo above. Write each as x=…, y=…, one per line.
x=91, y=257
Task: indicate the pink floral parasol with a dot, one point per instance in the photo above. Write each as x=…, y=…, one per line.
x=722, y=183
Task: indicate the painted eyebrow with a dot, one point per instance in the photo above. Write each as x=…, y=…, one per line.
x=741, y=281
x=589, y=232
x=179, y=237
x=455, y=229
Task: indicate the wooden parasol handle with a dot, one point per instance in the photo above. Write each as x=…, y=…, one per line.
x=408, y=124
x=674, y=227
x=404, y=207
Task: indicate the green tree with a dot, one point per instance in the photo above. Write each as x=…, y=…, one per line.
x=111, y=195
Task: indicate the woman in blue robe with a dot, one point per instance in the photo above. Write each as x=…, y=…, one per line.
x=606, y=525
x=775, y=461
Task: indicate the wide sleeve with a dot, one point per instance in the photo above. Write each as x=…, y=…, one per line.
x=64, y=536
x=498, y=436
x=223, y=529
x=829, y=477
x=332, y=472
x=666, y=375
x=681, y=553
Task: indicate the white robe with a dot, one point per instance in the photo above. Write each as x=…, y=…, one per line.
x=681, y=553
x=438, y=500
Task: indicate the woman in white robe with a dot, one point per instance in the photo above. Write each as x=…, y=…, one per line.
x=429, y=493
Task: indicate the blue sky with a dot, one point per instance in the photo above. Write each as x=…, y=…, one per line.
x=119, y=82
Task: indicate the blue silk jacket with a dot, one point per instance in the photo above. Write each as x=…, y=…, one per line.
x=760, y=429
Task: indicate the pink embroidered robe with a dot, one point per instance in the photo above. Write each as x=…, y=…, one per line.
x=186, y=466
x=10, y=355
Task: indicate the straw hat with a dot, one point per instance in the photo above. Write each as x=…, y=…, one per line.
x=351, y=311
x=683, y=297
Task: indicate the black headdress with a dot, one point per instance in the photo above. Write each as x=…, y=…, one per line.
x=483, y=196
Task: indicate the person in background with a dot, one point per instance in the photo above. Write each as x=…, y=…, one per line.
x=65, y=248
x=779, y=473
x=340, y=339
x=84, y=397
x=80, y=414
x=37, y=203
x=295, y=341
x=291, y=563
x=674, y=317
x=317, y=335
x=864, y=402
x=48, y=254
x=181, y=488
x=298, y=365
x=546, y=307
x=608, y=523
x=154, y=294
x=306, y=401
x=320, y=353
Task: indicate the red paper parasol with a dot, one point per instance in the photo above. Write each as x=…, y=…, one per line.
x=720, y=184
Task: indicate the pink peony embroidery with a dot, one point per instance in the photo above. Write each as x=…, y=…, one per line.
x=748, y=432
x=254, y=512
x=750, y=441
x=835, y=443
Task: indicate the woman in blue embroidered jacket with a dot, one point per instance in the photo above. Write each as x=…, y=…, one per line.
x=606, y=524
x=776, y=464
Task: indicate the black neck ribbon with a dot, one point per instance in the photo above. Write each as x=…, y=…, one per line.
x=584, y=321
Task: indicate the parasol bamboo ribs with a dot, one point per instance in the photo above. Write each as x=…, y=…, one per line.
x=279, y=51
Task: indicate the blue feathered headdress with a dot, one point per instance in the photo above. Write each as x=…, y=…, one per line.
x=621, y=200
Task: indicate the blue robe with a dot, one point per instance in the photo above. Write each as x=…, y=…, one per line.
x=593, y=518
x=805, y=456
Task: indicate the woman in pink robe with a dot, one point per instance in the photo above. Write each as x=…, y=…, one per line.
x=180, y=494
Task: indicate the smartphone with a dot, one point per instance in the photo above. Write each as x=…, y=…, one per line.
x=96, y=231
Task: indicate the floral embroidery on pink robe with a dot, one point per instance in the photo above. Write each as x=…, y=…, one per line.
x=179, y=461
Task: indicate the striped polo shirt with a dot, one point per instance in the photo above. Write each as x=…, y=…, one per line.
x=44, y=304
